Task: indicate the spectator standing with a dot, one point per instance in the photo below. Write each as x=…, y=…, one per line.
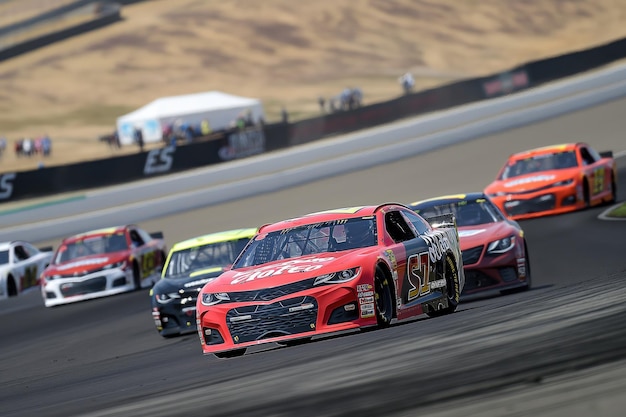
x=3, y=145
x=46, y=145
x=139, y=138
x=322, y=102
x=407, y=81
x=284, y=115
x=205, y=128
x=27, y=146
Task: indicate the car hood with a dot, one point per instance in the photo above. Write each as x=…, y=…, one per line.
x=482, y=234
x=190, y=282
x=530, y=182
x=287, y=271
x=86, y=264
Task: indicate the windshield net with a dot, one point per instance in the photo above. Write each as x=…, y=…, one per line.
x=93, y=245
x=214, y=255
x=466, y=212
x=331, y=236
x=539, y=163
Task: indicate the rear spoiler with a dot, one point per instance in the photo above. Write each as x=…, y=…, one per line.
x=156, y=235
x=442, y=221
x=606, y=154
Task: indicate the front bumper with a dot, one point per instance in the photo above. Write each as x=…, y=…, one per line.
x=94, y=285
x=556, y=200
x=485, y=272
x=328, y=309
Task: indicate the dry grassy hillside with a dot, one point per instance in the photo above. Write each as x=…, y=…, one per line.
x=285, y=52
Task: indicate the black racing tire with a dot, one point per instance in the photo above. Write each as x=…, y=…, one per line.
x=453, y=292
x=613, y=198
x=383, y=297
x=230, y=353
x=11, y=287
x=136, y=277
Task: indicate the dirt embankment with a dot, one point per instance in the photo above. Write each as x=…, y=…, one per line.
x=285, y=52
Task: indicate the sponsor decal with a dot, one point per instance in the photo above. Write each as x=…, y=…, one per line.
x=293, y=266
x=467, y=233
x=367, y=310
x=506, y=83
x=6, y=185
x=439, y=283
x=529, y=180
x=242, y=144
x=159, y=160
x=521, y=267
x=363, y=287
x=392, y=258
x=85, y=262
x=438, y=244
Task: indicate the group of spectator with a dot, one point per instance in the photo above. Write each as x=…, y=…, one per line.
x=29, y=147
x=352, y=98
x=348, y=99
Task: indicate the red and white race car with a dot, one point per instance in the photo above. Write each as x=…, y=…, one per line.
x=20, y=266
x=329, y=272
x=495, y=253
x=103, y=262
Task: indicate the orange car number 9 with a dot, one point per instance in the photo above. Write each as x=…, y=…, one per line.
x=598, y=181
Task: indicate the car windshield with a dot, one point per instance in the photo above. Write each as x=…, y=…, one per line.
x=214, y=255
x=466, y=212
x=310, y=239
x=538, y=163
x=92, y=245
x=4, y=257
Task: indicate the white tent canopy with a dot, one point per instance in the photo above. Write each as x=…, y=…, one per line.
x=219, y=109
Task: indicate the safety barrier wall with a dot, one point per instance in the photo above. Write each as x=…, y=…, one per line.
x=241, y=144
x=43, y=17
x=108, y=16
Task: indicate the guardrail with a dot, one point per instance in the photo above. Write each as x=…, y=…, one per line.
x=241, y=144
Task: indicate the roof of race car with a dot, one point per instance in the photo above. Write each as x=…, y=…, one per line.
x=328, y=215
x=96, y=232
x=210, y=238
x=449, y=198
x=545, y=149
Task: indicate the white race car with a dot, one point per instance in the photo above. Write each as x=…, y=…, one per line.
x=20, y=266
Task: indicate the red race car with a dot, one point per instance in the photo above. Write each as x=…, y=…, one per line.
x=554, y=179
x=103, y=262
x=495, y=255
x=328, y=272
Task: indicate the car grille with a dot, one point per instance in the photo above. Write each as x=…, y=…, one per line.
x=472, y=255
x=85, y=287
x=541, y=203
x=508, y=274
x=269, y=294
x=288, y=317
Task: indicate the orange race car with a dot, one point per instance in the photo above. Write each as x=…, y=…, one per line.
x=554, y=179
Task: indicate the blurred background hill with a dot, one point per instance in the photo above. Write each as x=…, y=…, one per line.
x=287, y=53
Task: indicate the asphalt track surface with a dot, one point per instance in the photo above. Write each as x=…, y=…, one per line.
x=556, y=350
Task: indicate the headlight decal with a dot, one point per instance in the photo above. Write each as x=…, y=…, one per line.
x=501, y=245
x=211, y=299
x=338, y=277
